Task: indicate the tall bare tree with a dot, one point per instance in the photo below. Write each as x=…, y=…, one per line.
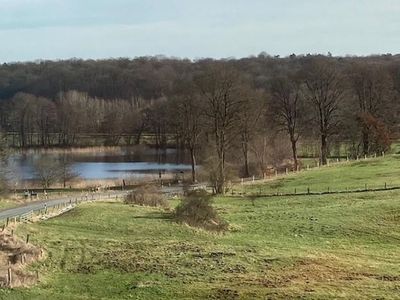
x=219, y=86
x=373, y=88
x=325, y=91
x=285, y=106
x=251, y=111
x=187, y=108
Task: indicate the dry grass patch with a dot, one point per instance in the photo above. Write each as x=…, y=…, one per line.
x=196, y=210
x=15, y=255
x=147, y=195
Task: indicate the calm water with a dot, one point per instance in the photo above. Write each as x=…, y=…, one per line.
x=111, y=164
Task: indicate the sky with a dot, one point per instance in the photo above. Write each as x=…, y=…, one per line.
x=92, y=29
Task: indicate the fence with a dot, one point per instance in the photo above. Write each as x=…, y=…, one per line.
x=302, y=191
x=27, y=214
x=283, y=171
x=43, y=209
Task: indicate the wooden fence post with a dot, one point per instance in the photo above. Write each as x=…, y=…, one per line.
x=9, y=277
x=27, y=238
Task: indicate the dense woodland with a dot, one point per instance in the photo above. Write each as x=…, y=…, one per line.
x=254, y=110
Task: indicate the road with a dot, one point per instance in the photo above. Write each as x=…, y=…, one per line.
x=39, y=205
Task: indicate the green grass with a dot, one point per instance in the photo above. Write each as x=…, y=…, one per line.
x=319, y=247
x=309, y=247
x=396, y=147
x=6, y=202
x=346, y=176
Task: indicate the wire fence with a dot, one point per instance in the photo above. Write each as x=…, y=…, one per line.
x=239, y=186
x=302, y=191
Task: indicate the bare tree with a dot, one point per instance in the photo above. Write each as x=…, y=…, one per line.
x=285, y=109
x=24, y=117
x=325, y=91
x=248, y=120
x=218, y=86
x=67, y=173
x=46, y=114
x=373, y=88
x=47, y=170
x=187, y=107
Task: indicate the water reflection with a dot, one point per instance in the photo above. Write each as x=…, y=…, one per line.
x=110, y=163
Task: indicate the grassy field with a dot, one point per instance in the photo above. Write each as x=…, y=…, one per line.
x=6, y=202
x=309, y=247
x=319, y=247
x=352, y=176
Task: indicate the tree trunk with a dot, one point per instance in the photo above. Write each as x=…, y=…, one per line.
x=221, y=179
x=324, y=149
x=220, y=188
x=193, y=161
x=294, y=152
x=245, y=149
x=365, y=140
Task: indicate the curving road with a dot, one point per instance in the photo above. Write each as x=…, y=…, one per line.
x=39, y=205
x=42, y=204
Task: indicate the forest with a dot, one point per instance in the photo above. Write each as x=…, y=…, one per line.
x=257, y=110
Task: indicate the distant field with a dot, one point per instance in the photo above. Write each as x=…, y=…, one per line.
x=373, y=173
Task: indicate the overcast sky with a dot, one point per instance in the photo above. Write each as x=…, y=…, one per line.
x=56, y=29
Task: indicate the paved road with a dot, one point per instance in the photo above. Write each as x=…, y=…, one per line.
x=39, y=205
x=35, y=206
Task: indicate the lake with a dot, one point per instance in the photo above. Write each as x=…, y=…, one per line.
x=104, y=163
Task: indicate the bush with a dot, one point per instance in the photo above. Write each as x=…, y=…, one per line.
x=196, y=210
x=147, y=196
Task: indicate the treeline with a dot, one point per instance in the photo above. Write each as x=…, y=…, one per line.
x=254, y=110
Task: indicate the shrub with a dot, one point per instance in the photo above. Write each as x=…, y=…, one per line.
x=147, y=196
x=196, y=210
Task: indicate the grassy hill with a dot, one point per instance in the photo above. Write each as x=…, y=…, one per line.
x=373, y=173
x=311, y=247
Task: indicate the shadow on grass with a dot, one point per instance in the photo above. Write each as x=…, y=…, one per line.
x=156, y=216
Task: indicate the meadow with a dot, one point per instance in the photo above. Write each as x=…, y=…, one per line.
x=308, y=247
x=373, y=173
